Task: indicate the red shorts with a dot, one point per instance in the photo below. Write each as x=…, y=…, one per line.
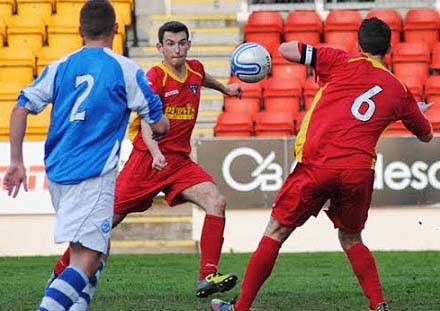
x=308, y=188
x=138, y=183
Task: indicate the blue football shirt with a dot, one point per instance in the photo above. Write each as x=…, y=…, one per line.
x=93, y=91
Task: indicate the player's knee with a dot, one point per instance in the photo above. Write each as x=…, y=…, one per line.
x=216, y=206
x=347, y=240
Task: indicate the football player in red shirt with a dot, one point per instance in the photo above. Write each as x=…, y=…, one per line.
x=165, y=165
x=335, y=151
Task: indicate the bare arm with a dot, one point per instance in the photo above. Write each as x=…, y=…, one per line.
x=290, y=51
x=160, y=128
x=16, y=172
x=233, y=89
x=159, y=161
x=423, y=107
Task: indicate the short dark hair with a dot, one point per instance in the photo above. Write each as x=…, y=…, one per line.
x=97, y=19
x=374, y=36
x=172, y=26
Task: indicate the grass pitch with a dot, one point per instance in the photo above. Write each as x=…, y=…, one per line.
x=166, y=282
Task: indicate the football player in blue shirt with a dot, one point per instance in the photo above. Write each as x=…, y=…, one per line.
x=92, y=91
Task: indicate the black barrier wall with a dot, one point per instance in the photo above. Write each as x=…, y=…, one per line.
x=249, y=172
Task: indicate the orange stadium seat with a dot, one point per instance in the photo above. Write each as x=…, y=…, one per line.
x=234, y=124
x=282, y=68
x=341, y=26
x=25, y=32
x=123, y=9
x=5, y=114
x=7, y=8
x=304, y=26
x=250, y=101
x=17, y=65
x=274, y=123
x=411, y=58
x=47, y=55
x=422, y=25
x=9, y=91
x=32, y=8
x=283, y=95
x=311, y=87
x=265, y=28
x=432, y=92
x=415, y=84
x=434, y=116
x=392, y=18
x=68, y=7
x=397, y=128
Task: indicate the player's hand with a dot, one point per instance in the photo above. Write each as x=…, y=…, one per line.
x=424, y=106
x=233, y=89
x=15, y=176
x=159, y=161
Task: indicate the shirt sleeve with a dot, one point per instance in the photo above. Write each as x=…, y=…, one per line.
x=38, y=95
x=413, y=118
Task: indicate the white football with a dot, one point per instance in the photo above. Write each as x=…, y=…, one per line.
x=250, y=62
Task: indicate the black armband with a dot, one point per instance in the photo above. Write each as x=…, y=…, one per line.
x=308, y=55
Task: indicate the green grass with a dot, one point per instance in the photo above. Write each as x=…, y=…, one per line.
x=307, y=281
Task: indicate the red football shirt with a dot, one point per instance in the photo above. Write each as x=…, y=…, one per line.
x=181, y=99
x=358, y=99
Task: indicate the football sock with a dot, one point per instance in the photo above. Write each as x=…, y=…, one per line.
x=64, y=290
x=258, y=270
x=87, y=294
x=62, y=262
x=364, y=266
x=211, y=242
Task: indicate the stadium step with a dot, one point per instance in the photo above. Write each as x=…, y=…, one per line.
x=196, y=20
x=196, y=51
x=160, y=229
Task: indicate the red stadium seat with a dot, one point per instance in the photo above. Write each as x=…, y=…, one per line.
x=392, y=18
x=435, y=58
x=434, y=116
x=250, y=101
x=269, y=123
x=397, y=128
x=304, y=26
x=422, y=25
x=342, y=26
x=311, y=87
x=283, y=95
x=411, y=58
x=265, y=28
x=234, y=124
x=432, y=92
x=415, y=84
x=282, y=68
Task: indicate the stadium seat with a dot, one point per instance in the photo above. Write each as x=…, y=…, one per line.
x=283, y=95
x=432, y=92
x=415, y=84
x=341, y=26
x=9, y=91
x=5, y=114
x=26, y=33
x=304, y=26
x=7, y=8
x=422, y=25
x=123, y=9
x=392, y=18
x=265, y=28
x=68, y=7
x=2, y=32
x=397, y=128
x=273, y=123
x=17, y=65
x=311, y=87
x=32, y=8
x=282, y=68
x=250, y=101
x=62, y=32
x=411, y=58
x=47, y=55
x=434, y=116
x=435, y=59
x=234, y=124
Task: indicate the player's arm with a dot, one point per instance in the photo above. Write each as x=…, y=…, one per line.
x=416, y=121
x=16, y=173
x=233, y=89
x=298, y=52
x=159, y=161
